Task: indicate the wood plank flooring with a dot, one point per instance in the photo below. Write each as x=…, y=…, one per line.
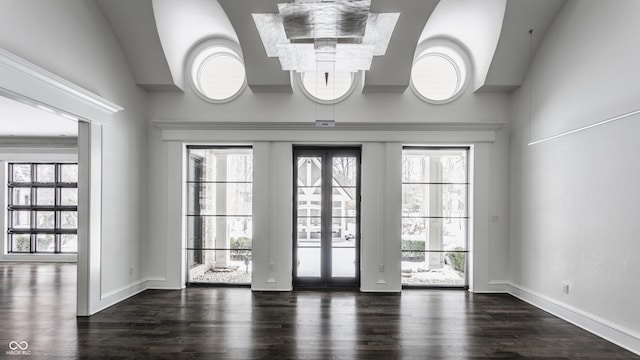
x=38, y=306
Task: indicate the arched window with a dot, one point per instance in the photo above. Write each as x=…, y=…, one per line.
x=439, y=74
x=217, y=72
x=327, y=88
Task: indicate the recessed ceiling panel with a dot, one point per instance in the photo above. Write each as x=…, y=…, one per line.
x=340, y=19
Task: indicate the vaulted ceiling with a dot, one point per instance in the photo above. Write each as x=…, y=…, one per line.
x=156, y=36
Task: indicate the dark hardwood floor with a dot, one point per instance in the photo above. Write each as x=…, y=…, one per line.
x=38, y=307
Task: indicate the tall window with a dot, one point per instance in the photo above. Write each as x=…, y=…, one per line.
x=42, y=208
x=435, y=216
x=219, y=226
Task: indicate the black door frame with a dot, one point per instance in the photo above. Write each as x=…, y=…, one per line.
x=196, y=163
x=326, y=153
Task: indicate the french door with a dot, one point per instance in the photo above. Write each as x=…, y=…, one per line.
x=326, y=217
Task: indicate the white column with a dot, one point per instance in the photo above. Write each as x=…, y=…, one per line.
x=381, y=223
x=272, y=220
x=89, y=217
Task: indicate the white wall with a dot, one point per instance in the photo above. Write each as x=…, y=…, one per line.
x=574, y=199
x=381, y=211
x=193, y=120
x=294, y=107
x=272, y=216
x=72, y=39
x=381, y=186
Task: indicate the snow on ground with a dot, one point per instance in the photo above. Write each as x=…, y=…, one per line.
x=228, y=275
x=443, y=276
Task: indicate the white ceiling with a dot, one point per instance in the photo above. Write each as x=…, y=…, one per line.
x=21, y=120
x=136, y=26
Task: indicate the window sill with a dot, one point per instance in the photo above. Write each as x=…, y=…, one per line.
x=40, y=257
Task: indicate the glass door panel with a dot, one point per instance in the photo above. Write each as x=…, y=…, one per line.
x=326, y=216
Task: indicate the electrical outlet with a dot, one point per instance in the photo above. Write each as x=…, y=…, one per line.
x=565, y=289
x=272, y=267
x=380, y=267
x=131, y=271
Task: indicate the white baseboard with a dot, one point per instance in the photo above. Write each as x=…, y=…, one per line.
x=619, y=335
x=118, y=295
x=493, y=287
x=162, y=284
x=381, y=291
x=271, y=289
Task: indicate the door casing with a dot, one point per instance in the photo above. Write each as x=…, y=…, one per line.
x=326, y=153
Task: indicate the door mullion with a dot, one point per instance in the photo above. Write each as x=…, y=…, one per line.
x=326, y=217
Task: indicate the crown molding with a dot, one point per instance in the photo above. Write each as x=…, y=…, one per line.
x=29, y=83
x=339, y=126
x=343, y=132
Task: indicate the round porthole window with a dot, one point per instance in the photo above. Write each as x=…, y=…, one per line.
x=327, y=88
x=217, y=73
x=439, y=75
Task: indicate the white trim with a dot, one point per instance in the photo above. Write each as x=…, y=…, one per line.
x=89, y=218
x=201, y=54
x=300, y=136
x=18, y=65
x=461, y=81
x=158, y=283
x=124, y=289
x=614, y=333
x=492, y=287
x=339, y=126
x=452, y=51
x=113, y=297
x=124, y=292
x=615, y=118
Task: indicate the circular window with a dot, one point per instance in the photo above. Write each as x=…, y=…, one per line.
x=439, y=75
x=217, y=73
x=327, y=88
x=435, y=77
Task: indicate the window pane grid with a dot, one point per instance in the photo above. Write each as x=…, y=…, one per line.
x=219, y=214
x=436, y=251
x=214, y=248
x=41, y=219
x=218, y=182
x=435, y=216
x=434, y=183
